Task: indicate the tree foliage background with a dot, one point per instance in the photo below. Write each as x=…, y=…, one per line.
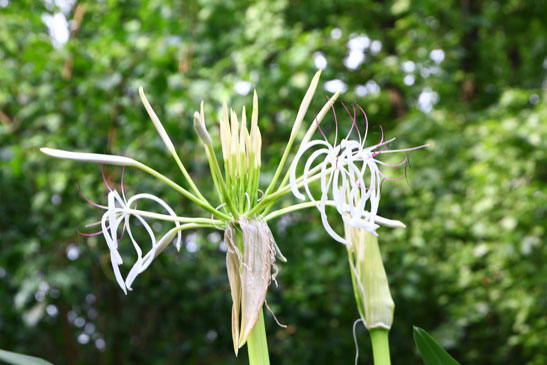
x=467, y=77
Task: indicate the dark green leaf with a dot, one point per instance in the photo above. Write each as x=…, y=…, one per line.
x=432, y=353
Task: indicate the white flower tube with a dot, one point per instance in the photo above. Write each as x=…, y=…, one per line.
x=90, y=157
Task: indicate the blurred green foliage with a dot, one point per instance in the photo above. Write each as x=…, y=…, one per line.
x=470, y=267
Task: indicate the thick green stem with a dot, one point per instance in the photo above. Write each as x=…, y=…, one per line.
x=257, y=344
x=380, y=346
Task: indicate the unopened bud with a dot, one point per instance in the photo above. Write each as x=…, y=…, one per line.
x=199, y=126
x=370, y=282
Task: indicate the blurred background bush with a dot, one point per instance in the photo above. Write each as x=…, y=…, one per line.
x=467, y=77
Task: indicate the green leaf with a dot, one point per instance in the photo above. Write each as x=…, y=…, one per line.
x=20, y=359
x=432, y=353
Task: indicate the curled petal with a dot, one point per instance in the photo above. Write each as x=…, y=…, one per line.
x=294, y=165
x=161, y=202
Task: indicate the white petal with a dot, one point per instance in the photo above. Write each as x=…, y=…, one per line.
x=163, y=242
x=307, y=170
x=140, y=265
x=327, y=226
x=90, y=157
x=294, y=165
x=164, y=205
x=115, y=257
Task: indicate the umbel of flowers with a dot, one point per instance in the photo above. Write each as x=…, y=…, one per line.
x=349, y=181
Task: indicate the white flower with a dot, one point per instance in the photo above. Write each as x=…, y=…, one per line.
x=350, y=176
x=118, y=212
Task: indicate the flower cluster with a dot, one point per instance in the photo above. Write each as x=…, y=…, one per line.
x=349, y=176
x=242, y=210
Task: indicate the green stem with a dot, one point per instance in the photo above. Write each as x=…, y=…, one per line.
x=272, y=198
x=257, y=344
x=201, y=202
x=292, y=208
x=380, y=346
x=215, y=170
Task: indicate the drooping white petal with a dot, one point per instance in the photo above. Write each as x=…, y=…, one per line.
x=90, y=157
x=115, y=257
x=164, y=205
x=140, y=265
x=163, y=242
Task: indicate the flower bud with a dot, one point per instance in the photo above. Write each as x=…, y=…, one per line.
x=90, y=157
x=199, y=126
x=369, y=279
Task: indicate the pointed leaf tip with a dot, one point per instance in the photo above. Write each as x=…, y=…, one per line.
x=432, y=353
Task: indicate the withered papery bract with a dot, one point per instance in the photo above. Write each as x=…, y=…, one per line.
x=249, y=261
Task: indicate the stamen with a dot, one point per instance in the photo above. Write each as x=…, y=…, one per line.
x=123, y=232
x=353, y=120
x=395, y=164
x=380, y=142
x=87, y=234
x=335, y=122
x=317, y=121
x=408, y=149
x=123, y=193
x=89, y=201
x=408, y=164
x=354, y=182
x=356, y=126
x=366, y=122
x=104, y=178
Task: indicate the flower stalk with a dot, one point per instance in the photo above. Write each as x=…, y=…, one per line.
x=380, y=346
x=257, y=344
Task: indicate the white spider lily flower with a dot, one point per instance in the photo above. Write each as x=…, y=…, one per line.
x=119, y=213
x=349, y=176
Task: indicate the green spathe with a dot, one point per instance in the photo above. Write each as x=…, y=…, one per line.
x=369, y=279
